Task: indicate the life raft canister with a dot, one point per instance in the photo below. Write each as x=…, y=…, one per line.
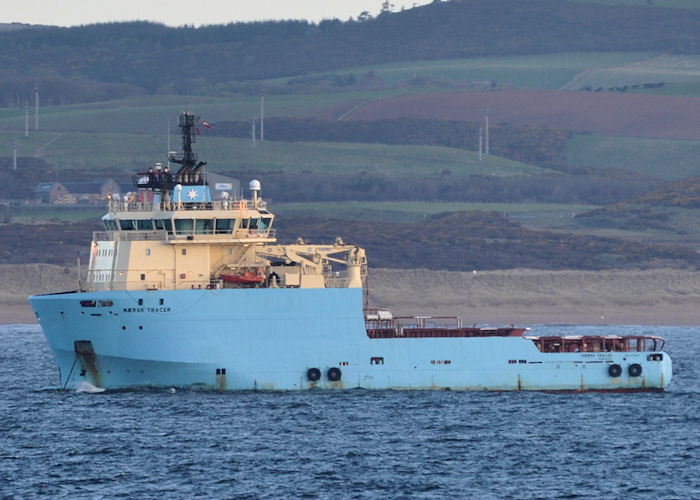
x=635, y=370
x=313, y=374
x=615, y=370
x=334, y=374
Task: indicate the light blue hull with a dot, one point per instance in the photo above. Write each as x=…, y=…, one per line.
x=269, y=339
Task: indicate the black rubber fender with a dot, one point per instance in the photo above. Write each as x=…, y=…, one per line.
x=634, y=370
x=615, y=370
x=313, y=374
x=273, y=280
x=334, y=374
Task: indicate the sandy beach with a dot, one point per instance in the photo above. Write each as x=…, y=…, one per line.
x=519, y=296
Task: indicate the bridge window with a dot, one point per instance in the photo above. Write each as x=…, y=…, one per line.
x=244, y=223
x=111, y=225
x=183, y=226
x=127, y=224
x=204, y=226
x=145, y=224
x=265, y=223
x=254, y=223
x=225, y=226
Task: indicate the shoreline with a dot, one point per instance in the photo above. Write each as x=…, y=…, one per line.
x=659, y=297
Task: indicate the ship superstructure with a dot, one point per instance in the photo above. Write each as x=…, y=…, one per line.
x=187, y=286
x=172, y=235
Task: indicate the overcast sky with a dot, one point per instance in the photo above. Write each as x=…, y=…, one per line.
x=190, y=12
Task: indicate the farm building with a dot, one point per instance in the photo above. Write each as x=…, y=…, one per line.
x=75, y=192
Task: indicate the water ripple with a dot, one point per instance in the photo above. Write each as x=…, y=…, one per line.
x=352, y=444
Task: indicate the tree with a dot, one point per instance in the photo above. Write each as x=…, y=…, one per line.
x=364, y=16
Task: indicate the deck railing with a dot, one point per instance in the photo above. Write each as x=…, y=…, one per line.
x=156, y=235
x=116, y=205
x=598, y=343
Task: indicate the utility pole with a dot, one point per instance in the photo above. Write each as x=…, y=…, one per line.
x=36, y=108
x=253, y=134
x=481, y=141
x=487, y=131
x=262, y=116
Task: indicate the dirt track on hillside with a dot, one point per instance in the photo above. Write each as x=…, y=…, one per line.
x=523, y=296
x=635, y=115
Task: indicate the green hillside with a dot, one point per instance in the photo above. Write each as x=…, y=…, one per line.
x=549, y=71
x=543, y=197
x=122, y=154
x=656, y=158
x=639, y=75
x=416, y=211
x=99, y=62
x=151, y=114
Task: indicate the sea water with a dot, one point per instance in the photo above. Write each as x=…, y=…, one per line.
x=350, y=444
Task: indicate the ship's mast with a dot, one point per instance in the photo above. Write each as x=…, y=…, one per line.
x=186, y=158
x=190, y=172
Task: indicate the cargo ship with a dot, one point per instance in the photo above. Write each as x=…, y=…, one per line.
x=188, y=287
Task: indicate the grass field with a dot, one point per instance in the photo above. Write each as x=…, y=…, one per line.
x=659, y=158
x=152, y=114
x=373, y=211
x=130, y=152
x=549, y=71
x=683, y=225
x=52, y=213
x=415, y=211
x=668, y=69
x=678, y=89
x=341, y=158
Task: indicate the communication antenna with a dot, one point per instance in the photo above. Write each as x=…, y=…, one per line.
x=14, y=155
x=36, y=108
x=262, y=116
x=26, y=119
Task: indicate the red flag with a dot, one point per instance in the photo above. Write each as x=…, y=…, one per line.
x=207, y=125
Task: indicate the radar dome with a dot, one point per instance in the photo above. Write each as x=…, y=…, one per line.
x=254, y=185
